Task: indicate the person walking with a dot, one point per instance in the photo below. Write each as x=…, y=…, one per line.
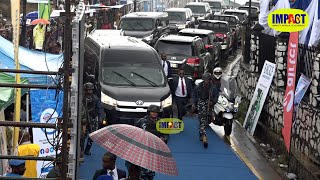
x=91, y=117
x=204, y=96
x=109, y=169
x=26, y=148
x=166, y=65
x=182, y=92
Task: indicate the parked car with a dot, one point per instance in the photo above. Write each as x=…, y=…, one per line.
x=216, y=5
x=212, y=45
x=185, y=51
x=180, y=18
x=235, y=25
x=241, y=14
x=254, y=12
x=222, y=31
x=130, y=75
x=200, y=10
x=146, y=26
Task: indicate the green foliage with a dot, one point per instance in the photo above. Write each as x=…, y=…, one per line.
x=242, y=111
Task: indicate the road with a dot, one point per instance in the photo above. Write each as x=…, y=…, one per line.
x=218, y=161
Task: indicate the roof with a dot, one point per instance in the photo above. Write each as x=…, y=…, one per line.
x=106, y=32
x=146, y=14
x=248, y=7
x=197, y=3
x=177, y=38
x=215, y=21
x=236, y=10
x=119, y=41
x=176, y=10
x=221, y=1
x=195, y=31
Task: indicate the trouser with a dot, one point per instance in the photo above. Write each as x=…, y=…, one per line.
x=181, y=103
x=203, y=115
x=92, y=126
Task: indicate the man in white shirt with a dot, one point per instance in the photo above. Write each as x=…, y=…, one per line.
x=166, y=65
x=182, y=92
x=109, y=170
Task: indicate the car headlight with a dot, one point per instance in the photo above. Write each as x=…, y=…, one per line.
x=167, y=102
x=227, y=110
x=181, y=26
x=148, y=38
x=108, y=100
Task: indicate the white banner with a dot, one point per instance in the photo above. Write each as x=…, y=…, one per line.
x=259, y=97
x=37, y=1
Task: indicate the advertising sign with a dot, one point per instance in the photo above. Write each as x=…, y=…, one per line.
x=288, y=20
x=46, y=107
x=170, y=125
x=259, y=97
x=290, y=89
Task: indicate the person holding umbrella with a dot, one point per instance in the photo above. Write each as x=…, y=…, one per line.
x=133, y=170
x=148, y=123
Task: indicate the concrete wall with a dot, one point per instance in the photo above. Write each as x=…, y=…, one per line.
x=305, y=140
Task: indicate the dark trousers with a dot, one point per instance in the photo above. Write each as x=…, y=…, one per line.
x=181, y=105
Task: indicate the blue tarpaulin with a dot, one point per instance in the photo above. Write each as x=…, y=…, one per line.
x=30, y=60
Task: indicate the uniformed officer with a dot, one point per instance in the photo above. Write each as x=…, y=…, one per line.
x=92, y=115
x=205, y=95
x=148, y=123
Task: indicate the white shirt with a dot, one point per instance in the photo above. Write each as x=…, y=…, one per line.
x=115, y=174
x=165, y=67
x=178, y=92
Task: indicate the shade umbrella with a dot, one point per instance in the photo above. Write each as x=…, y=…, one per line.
x=38, y=21
x=137, y=146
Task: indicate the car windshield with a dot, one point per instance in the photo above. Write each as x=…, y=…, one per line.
x=177, y=16
x=132, y=74
x=204, y=38
x=197, y=9
x=174, y=48
x=241, y=16
x=216, y=27
x=253, y=10
x=215, y=5
x=253, y=4
x=231, y=20
x=137, y=24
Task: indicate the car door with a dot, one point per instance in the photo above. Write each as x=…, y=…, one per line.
x=203, y=54
x=216, y=45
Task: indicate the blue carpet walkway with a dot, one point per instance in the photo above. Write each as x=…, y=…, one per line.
x=217, y=162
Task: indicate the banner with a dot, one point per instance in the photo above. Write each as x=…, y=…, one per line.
x=301, y=89
x=44, y=10
x=290, y=89
x=259, y=96
x=46, y=106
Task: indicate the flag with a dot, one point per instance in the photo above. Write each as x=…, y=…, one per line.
x=44, y=10
x=290, y=89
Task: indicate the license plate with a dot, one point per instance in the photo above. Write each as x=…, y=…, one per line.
x=174, y=65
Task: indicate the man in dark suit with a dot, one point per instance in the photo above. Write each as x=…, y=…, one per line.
x=182, y=92
x=109, y=168
x=166, y=65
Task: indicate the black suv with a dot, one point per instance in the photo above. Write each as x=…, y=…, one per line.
x=200, y=10
x=234, y=23
x=211, y=43
x=222, y=31
x=185, y=51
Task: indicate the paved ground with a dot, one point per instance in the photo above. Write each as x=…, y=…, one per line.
x=226, y=158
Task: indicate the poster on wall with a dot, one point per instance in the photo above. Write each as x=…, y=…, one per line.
x=46, y=107
x=259, y=97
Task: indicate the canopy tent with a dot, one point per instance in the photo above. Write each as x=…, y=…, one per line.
x=30, y=60
x=7, y=94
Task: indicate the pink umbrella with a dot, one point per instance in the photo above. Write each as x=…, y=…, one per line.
x=137, y=146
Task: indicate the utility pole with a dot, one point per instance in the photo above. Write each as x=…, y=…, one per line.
x=24, y=25
x=66, y=86
x=135, y=5
x=248, y=35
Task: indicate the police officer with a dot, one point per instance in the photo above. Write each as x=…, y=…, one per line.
x=217, y=74
x=148, y=123
x=92, y=115
x=204, y=96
